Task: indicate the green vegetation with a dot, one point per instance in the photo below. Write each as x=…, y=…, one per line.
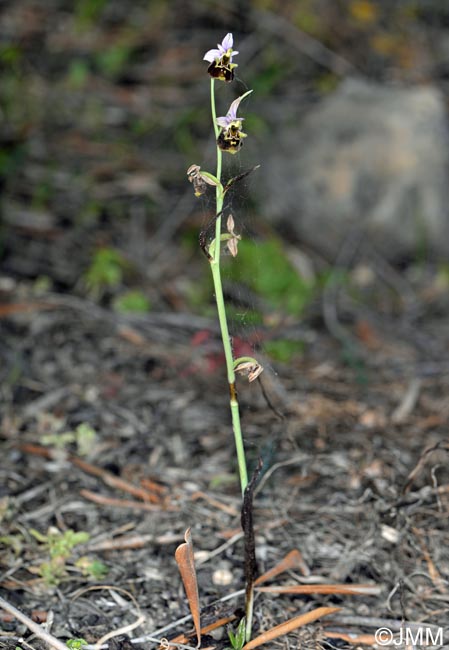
x=87, y=12
x=283, y=349
x=11, y=159
x=105, y=271
x=133, y=301
x=78, y=73
x=59, y=546
x=268, y=274
x=12, y=542
x=42, y=195
x=83, y=436
x=76, y=644
x=10, y=56
x=238, y=639
x=113, y=61
x=186, y=124
x=92, y=568
x=265, y=269
x=273, y=71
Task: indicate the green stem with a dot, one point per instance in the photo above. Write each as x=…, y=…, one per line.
x=214, y=114
x=218, y=289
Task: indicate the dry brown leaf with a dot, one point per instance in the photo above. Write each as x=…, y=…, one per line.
x=151, y=485
x=230, y=510
x=367, y=590
x=186, y=564
x=233, y=242
x=289, y=626
x=184, y=638
x=122, y=503
x=292, y=560
x=250, y=368
x=9, y=309
x=107, y=477
x=359, y=639
x=367, y=334
x=232, y=245
x=131, y=335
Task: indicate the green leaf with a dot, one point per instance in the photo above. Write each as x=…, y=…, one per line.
x=85, y=437
x=98, y=570
x=92, y=568
x=13, y=541
x=58, y=440
x=238, y=639
x=39, y=536
x=106, y=270
x=76, y=644
x=52, y=571
x=61, y=545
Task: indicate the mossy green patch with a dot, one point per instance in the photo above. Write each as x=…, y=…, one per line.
x=265, y=269
x=133, y=301
x=283, y=349
x=105, y=271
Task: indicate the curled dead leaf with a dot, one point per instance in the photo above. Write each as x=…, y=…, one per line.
x=186, y=564
x=250, y=368
x=200, y=179
x=353, y=589
x=292, y=560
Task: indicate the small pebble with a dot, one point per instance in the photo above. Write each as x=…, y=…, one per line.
x=222, y=577
x=390, y=534
x=201, y=556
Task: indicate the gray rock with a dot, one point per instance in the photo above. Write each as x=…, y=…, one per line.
x=370, y=156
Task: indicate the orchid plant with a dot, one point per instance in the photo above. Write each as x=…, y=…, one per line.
x=229, y=139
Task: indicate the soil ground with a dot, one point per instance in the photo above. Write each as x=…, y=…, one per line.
x=349, y=481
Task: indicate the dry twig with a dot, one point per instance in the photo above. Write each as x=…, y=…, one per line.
x=48, y=638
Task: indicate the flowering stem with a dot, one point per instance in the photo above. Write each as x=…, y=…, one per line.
x=218, y=289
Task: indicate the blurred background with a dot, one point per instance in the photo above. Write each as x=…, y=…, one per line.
x=104, y=104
